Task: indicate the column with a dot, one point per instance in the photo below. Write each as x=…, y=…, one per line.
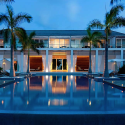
x=121, y=57
x=70, y=41
x=47, y=61
x=71, y=61
x=96, y=61
x=22, y=59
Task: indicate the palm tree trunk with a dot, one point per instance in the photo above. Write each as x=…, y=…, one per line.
x=12, y=71
x=28, y=68
x=106, y=73
x=90, y=70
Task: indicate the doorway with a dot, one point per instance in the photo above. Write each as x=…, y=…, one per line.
x=59, y=64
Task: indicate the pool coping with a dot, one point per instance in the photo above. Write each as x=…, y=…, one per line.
x=62, y=112
x=114, y=85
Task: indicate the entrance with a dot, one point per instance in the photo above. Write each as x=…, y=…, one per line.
x=59, y=64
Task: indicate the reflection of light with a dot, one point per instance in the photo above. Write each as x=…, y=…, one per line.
x=61, y=102
x=46, y=69
x=112, y=87
x=122, y=91
x=72, y=70
x=26, y=82
x=93, y=89
x=17, y=82
x=4, y=81
x=3, y=87
x=49, y=103
x=94, y=55
x=47, y=77
x=122, y=84
x=27, y=102
x=89, y=102
x=24, y=89
x=112, y=81
x=71, y=76
x=2, y=102
x=103, y=83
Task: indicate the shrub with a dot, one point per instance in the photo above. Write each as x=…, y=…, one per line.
x=122, y=70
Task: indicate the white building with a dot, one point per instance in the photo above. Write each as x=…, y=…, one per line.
x=63, y=52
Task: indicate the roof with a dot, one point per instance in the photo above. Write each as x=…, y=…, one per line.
x=70, y=32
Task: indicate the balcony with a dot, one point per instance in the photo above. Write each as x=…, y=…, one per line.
x=59, y=46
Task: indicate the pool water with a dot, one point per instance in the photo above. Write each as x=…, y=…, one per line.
x=61, y=93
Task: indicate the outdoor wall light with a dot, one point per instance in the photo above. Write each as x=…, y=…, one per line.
x=90, y=103
x=2, y=102
x=4, y=63
x=27, y=102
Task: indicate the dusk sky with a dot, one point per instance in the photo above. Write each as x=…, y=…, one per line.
x=61, y=14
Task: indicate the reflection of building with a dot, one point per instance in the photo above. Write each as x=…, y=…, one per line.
x=20, y=96
x=59, y=84
x=35, y=83
x=62, y=51
x=81, y=83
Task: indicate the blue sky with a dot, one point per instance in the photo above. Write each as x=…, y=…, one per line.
x=61, y=14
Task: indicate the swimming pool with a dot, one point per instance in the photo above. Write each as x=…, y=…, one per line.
x=61, y=93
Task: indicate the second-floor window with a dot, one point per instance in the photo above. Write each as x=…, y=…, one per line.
x=59, y=43
x=120, y=43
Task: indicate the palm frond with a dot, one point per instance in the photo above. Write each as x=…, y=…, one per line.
x=96, y=24
x=6, y=33
x=85, y=39
x=7, y=1
x=114, y=1
x=118, y=22
x=4, y=19
x=96, y=34
x=33, y=47
x=22, y=18
x=32, y=34
x=115, y=10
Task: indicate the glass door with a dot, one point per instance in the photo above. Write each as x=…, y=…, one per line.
x=59, y=64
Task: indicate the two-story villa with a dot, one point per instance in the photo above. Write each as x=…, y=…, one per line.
x=62, y=51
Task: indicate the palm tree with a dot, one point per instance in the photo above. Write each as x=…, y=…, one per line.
x=112, y=20
x=12, y=22
x=93, y=39
x=27, y=43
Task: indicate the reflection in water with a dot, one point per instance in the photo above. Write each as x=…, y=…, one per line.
x=61, y=93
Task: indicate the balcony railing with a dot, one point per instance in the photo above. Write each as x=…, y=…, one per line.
x=59, y=46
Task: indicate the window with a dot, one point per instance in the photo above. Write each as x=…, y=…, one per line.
x=118, y=43
x=44, y=43
x=59, y=43
x=123, y=43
